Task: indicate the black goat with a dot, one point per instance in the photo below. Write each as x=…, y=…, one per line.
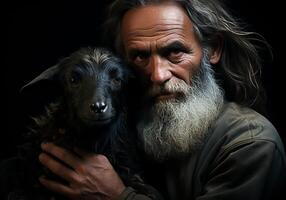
x=91, y=108
x=89, y=113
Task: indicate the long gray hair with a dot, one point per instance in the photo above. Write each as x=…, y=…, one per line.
x=239, y=69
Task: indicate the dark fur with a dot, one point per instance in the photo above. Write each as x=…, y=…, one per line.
x=89, y=113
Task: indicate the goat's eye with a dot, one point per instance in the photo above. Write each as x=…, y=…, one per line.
x=114, y=77
x=75, y=78
x=116, y=82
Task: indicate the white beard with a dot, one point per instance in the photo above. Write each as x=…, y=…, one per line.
x=179, y=126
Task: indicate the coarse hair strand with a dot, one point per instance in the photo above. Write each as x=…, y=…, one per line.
x=239, y=69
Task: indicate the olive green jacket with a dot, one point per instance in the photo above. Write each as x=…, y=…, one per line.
x=243, y=158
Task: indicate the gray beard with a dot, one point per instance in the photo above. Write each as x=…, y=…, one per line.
x=179, y=126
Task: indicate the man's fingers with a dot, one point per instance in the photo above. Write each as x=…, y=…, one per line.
x=82, y=153
x=97, y=160
x=57, y=187
x=58, y=168
x=62, y=154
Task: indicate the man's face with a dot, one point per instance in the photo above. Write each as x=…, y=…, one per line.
x=159, y=41
x=182, y=98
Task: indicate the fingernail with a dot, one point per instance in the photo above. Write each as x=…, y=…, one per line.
x=41, y=157
x=42, y=178
x=44, y=145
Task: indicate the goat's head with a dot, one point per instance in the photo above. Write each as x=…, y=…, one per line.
x=91, y=81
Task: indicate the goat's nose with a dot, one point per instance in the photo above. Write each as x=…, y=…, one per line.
x=98, y=107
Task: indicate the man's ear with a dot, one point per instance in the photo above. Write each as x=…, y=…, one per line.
x=216, y=50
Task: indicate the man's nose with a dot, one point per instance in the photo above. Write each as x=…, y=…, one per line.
x=159, y=70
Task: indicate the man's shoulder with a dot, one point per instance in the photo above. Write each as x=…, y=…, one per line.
x=238, y=124
x=245, y=146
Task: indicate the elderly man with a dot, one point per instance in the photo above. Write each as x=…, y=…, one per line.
x=198, y=69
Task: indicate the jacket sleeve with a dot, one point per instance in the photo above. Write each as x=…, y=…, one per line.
x=130, y=194
x=250, y=169
x=140, y=191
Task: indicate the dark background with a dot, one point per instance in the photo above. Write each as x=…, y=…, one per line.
x=36, y=35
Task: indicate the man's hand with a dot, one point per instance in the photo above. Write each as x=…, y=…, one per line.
x=90, y=176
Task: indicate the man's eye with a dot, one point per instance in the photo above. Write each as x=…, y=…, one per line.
x=140, y=59
x=175, y=56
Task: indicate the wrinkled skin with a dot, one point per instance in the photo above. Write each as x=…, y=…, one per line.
x=90, y=176
x=159, y=41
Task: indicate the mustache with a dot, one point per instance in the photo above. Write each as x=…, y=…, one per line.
x=174, y=85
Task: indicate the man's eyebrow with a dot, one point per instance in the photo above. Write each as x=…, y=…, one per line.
x=173, y=46
x=132, y=52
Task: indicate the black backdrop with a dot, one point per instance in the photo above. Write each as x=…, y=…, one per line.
x=36, y=35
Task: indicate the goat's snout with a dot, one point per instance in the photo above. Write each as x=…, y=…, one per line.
x=99, y=107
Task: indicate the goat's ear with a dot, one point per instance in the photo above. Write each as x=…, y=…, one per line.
x=49, y=75
x=42, y=90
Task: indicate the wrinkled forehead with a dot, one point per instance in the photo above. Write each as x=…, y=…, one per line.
x=154, y=16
